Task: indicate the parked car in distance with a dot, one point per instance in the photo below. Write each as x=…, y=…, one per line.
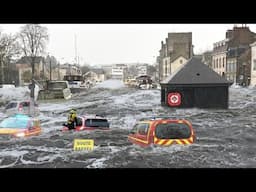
x=162, y=132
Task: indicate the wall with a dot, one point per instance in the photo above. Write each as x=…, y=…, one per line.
x=215, y=97
x=176, y=64
x=253, y=62
x=217, y=63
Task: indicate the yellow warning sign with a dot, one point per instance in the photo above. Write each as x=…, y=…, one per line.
x=83, y=144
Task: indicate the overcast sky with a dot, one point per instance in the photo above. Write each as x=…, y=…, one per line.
x=121, y=43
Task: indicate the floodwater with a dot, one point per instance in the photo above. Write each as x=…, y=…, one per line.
x=225, y=138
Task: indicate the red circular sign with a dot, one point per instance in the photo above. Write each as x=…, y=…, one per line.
x=174, y=99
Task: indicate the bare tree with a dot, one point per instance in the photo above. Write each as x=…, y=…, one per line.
x=9, y=48
x=33, y=39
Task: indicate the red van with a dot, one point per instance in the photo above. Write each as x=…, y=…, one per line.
x=162, y=132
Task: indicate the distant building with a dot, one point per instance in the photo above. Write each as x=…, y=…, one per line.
x=227, y=59
x=119, y=72
x=24, y=68
x=95, y=75
x=107, y=71
x=253, y=64
x=176, y=50
x=207, y=58
x=142, y=69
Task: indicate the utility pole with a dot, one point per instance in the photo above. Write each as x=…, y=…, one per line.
x=50, y=69
x=49, y=57
x=2, y=69
x=43, y=68
x=58, y=70
x=76, y=60
x=244, y=75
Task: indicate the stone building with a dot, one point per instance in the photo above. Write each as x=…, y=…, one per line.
x=176, y=50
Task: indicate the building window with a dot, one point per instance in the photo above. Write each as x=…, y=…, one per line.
x=181, y=61
x=216, y=63
x=223, y=62
x=219, y=62
x=254, y=64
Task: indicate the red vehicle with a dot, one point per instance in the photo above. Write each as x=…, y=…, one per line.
x=90, y=122
x=162, y=132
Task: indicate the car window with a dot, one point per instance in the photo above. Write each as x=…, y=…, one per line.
x=172, y=131
x=143, y=128
x=11, y=105
x=25, y=104
x=79, y=121
x=96, y=123
x=134, y=129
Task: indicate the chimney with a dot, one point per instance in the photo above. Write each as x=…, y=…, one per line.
x=229, y=34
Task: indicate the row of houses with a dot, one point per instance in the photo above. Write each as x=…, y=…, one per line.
x=43, y=70
x=54, y=71
x=233, y=57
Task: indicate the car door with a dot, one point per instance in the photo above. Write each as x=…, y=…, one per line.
x=79, y=123
x=138, y=134
x=142, y=132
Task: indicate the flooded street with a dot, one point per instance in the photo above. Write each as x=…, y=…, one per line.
x=225, y=138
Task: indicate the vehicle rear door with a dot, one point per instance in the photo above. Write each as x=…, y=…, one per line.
x=173, y=132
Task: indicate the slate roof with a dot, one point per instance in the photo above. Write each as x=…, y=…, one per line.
x=195, y=72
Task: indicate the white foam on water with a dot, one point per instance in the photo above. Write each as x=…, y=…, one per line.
x=13, y=153
x=98, y=163
x=110, y=84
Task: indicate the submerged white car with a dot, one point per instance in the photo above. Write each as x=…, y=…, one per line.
x=20, y=107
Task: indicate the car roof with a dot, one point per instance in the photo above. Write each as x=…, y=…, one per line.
x=15, y=120
x=157, y=119
x=91, y=116
x=19, y=101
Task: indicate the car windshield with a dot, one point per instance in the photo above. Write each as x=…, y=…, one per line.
x=172, y=131
x=96, y=123
x=16, y=122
